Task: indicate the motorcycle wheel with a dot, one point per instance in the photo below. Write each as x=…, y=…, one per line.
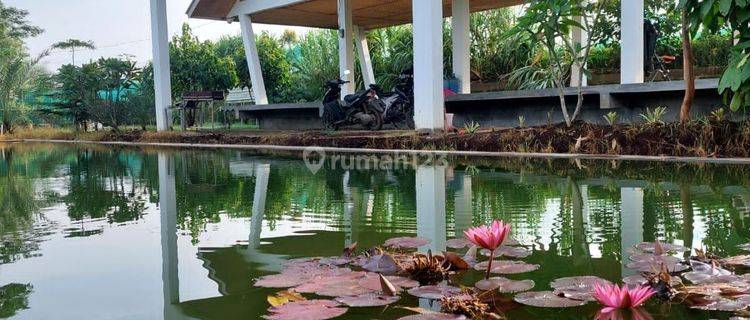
x=377, y=123
x=402, y=119
x=329, y=121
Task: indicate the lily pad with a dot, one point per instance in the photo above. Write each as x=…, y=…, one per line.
x=650, y=266
x=504, y=285
x=340, y=286
x=382, y=263
x=723, y=304
x=578, y=288
x=458, y=243
x=368, y=300
x=740, y=261
x=636, y=280
x=653, y=246
x=509, y=251
x=658, y=259
x=507, y=267
x=372, y=281
x=306, y=310
x=297, y=276
x=546, y=299
x=434, y=292
x=406, y=242
x=434, y=316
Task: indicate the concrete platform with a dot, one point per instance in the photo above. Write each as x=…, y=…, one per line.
x=538, y=107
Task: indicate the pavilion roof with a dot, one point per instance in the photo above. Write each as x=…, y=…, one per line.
x=369, y=14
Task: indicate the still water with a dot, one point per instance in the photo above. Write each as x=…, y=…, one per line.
x=94, y=232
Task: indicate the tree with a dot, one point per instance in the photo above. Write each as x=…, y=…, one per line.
x=551, y=22
x=73, y=44
x=196, y=66
x=13, y=23
x=76, y=87
x=687, y=56
x=116, y=78
x=18, y=71
x=714, y=15
x=274, y=62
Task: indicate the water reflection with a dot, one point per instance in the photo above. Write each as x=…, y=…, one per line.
x=220, y=219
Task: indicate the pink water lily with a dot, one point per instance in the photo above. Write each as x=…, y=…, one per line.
x=489, y=237
x=616, y=297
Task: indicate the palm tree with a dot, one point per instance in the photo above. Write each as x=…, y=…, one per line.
x=18, y=74
x=73, y=44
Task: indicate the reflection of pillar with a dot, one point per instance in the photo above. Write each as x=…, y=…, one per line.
x=463, y=215
x=631, y=221
x=259, y=204
x=168, y=211
x=687, y=218
x=431, y=206
x=348, y=210
x=580, y=246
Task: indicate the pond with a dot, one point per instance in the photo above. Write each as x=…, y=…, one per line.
x=97, y=232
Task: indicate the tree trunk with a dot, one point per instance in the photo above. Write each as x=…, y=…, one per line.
x=687, y=52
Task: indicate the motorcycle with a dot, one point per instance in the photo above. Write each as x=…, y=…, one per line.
x=363, y=108
x=399, y=105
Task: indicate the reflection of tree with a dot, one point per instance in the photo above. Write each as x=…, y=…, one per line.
x=14, y=297
x=17, y=210
x=102, y=185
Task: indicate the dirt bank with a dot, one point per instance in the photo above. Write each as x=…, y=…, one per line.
x=697, y=139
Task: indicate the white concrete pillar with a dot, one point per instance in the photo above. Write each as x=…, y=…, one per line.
x=346, y=46
x=580, y=40
x=168, y=220
x=631, y=222
x=348, y=209
x=363, y=50
x=430, y=189
x=462, y=44
x=253, y=62
x=160, y=48
x=429, y=103
x=632, y=42
x=262, y=171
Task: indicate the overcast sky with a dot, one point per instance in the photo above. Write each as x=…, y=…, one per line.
x=116, y=26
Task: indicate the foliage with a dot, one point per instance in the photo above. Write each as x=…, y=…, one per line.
x=611, y=118
x=196, y=66
x=72, y=45
x=715, y=15
x=654, y=116
x=18, y=71
x=115, y=77
x=471, y=127
x=550, y=25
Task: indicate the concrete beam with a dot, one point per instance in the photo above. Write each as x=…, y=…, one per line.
x=632, y=42
x=346, y=46
x=253, y=62
x=162, y=74
x=429, y=102
x=462, y=44
x=250, y=7
x=363, y=50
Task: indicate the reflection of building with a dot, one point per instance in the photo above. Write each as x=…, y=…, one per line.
x=591, y=222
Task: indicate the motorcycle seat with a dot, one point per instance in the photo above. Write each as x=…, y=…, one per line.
x=350, y=98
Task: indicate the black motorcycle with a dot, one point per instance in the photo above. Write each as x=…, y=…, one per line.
x=399, y=104
x=362, y=108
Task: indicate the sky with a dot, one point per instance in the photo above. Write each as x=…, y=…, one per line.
x=117, y=27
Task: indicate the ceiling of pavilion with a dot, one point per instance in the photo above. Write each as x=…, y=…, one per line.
x=370, y=14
